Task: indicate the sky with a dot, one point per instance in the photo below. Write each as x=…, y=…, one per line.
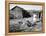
x=27, y=7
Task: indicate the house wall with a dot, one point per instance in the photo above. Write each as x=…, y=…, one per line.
x=17, y=12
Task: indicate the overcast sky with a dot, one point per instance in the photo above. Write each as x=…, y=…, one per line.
x=27, y=7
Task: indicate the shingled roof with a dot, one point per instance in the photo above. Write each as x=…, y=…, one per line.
x=24, y=12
